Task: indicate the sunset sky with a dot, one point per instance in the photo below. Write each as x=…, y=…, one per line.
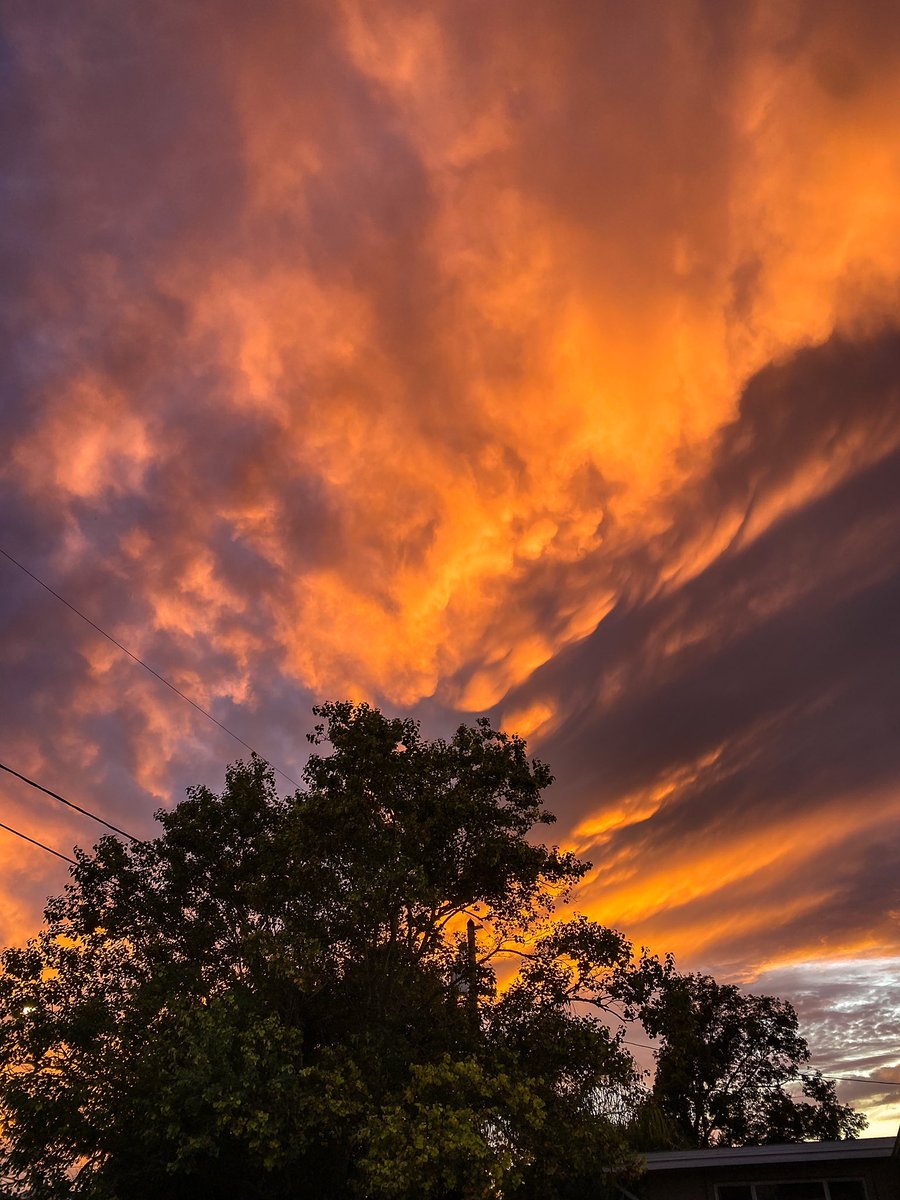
x=536, y=358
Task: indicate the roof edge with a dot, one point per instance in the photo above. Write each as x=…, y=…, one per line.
x=722, y=1156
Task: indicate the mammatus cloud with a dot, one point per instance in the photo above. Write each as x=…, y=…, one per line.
x=537, y=360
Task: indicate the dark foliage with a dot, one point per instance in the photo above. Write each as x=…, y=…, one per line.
x=273, y=998
x=726, y=1067
x=283, y=997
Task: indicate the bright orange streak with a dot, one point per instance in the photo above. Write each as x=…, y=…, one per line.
x=729, y=882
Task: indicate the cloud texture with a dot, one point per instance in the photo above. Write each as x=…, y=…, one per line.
x=536, y=359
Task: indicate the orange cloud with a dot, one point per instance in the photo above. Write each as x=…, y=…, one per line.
x=371, y=351
x=593, y=284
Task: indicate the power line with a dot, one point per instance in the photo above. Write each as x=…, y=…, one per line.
x=136, y=658
x=806, y=1075
x=861, y=1079
x=40, y=845
x=56, y=796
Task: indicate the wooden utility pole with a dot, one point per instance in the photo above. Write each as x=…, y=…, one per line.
x=472, y=972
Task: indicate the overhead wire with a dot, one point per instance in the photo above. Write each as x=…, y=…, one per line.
x=804, y=1075
x=40, y=845
x=136, y=658
x=69, y=803
x=861, y=1079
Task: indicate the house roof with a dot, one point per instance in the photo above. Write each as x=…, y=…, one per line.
x=734, y=1156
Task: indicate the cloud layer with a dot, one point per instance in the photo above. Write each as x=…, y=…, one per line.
x=533, y=359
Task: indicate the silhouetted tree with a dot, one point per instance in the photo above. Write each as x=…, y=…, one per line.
x=723, y=1070
x=279, y=997
x=271, y=997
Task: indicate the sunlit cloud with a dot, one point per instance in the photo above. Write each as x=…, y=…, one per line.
x=539, y=360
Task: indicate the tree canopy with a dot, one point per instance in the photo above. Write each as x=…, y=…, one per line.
x=724, y=1064
x=283, y=996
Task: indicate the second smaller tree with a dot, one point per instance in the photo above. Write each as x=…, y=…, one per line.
x=724, y=1066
